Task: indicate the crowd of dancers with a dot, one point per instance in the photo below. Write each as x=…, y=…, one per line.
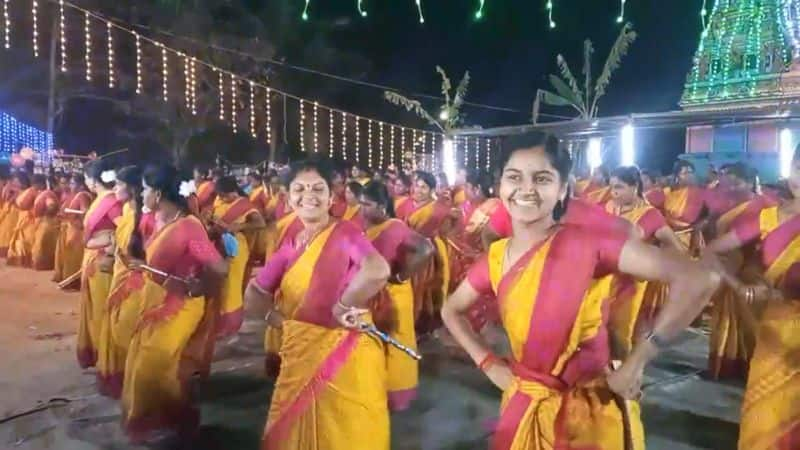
x=589, y=279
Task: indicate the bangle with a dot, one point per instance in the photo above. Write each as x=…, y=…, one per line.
x=750, y=295
x=397, y=280
x=269, y=314
x=488, y=361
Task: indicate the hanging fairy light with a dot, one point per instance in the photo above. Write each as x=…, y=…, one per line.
x=380, y=145
x=62, y=35
x=110, y=42
x=138, y=64
x=316, y=136
x=550, y=13
x=369, y=144
x=186, y=95
x=234, y=104
x=252, y=109
x=419, y=11
x=703, y=14
x=344, y=135
x=268, y=104
x=488, y=155
x=193, y=81
x=330, y=133
x=403, y=141
x=358, y=140
x=88, y=45
x=414, y=148
x=305, y=10
x=477, y=153
x=479, y=12
x=621, y=16
x=302, y=127
x=6, y=24
x=221, y=83
x=164, y=73
x=35, y=15
x=360, y=6
x=391, y=145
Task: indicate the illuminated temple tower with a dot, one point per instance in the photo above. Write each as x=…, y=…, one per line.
x=748, y=62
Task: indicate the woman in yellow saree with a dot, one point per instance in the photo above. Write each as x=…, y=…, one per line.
x=8, y=212
x=771, y=408
x=46, y=225
x=432, y=219
x=406, y=251
x=124, y=305
x=20, y=246
x=233, y=214
x=596, y=190
x=684, y=203
x=99, y=223
x=353, y=212
x=257, y=240
x=637, y=302
x=173, y=341
x=559, y=390
x=732, y=337
x=331, y=391
x=69, y=249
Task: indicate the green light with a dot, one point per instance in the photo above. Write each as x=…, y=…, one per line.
x=479, y=12
x=552, y=24
x=550, y=13
x=419, y=10
x=619, y=19
x=305, y=10
x=360, y=7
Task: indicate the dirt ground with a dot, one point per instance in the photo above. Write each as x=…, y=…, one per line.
x=681, y=409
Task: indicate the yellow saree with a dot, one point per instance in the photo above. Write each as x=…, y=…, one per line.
x=20, y=247
x=46, y=225
x=771, y=408
x=9, y=213
x=331, y=390
x=69, y=248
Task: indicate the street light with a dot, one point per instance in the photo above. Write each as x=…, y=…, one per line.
x=628, y=150
x=786, y=152
x=594, y=154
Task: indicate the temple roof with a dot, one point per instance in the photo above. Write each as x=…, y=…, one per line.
x=745, y=57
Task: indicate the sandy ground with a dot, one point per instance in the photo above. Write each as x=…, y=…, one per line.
x=681, y=410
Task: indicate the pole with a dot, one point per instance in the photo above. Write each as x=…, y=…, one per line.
x=51, y=97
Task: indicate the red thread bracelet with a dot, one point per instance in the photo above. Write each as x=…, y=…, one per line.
x=487, y=362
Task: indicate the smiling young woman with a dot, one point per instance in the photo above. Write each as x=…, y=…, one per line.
x=560, y=367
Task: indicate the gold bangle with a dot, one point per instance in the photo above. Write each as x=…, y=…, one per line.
x=347, y=307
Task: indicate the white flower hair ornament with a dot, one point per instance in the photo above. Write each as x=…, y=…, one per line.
x=146, y=210
x=108, y=176
x=187, y=188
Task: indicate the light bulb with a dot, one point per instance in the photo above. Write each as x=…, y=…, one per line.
x=344, y=135
x=302, y=127
x=330, y=133
x=268, y=104
x=234, y=104
x=164, y=73
x=138, y=64
x=88, y=45
x=34, y=14
x=221, y=83
x=110, y=41
x=62, y=35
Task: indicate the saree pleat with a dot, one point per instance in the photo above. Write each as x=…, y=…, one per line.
x=403, y=372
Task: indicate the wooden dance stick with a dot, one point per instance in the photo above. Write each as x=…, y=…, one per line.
x=70, y=279
x=74, y=211
x=161, y=273
x=373, y=331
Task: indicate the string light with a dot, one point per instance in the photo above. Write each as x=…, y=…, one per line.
x=234, y=104
x=221, y=82
x=110, y=40
x=268, y=104
x=302, y=127
x=488, y=155
x=316, y=139
x=361, y=8
x=479, y=12
x=391, y=145
x=380, y=145
x=703, y=14
x=330, y=133
x=369, y=144
x=88, y=45
x=62, y=38
x=344, y=135
x=550, y=13
x=477, y=153
x=621, y=16
x=252, y=110
x=164, y=73
x=414, y=148
x=403, y=141
x=193, y=80
x=186, y=95
x=434, y=162
x=305, y=10
x=34, y=11
x=358, y=140
x=138, y=64
x=419, y=11
x=6, y=24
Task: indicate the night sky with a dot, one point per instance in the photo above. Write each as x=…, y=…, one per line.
x=510, y=52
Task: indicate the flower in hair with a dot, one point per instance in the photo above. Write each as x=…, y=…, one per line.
x=187, y=188
x=108, y=176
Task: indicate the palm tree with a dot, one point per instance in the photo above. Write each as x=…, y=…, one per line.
x=584, y=100
x=449, y=115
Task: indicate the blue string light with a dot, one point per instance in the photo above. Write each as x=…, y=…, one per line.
x=15, y=135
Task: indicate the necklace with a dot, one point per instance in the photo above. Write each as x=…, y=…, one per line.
x=304, y=243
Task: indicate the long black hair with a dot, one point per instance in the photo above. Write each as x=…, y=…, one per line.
x=558, y=157
x=427, y=178
x=132, y=177
x=167, y=180
x=482, y=181
x=94, y=170
x=378, y=193
x=631, y=176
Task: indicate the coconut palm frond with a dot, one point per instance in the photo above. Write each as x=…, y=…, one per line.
x=461, y=91
x=446, y=86
x=410, y=105
x=618, y=51
x=564, y=91
x=588, y=51
x=566, y=74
